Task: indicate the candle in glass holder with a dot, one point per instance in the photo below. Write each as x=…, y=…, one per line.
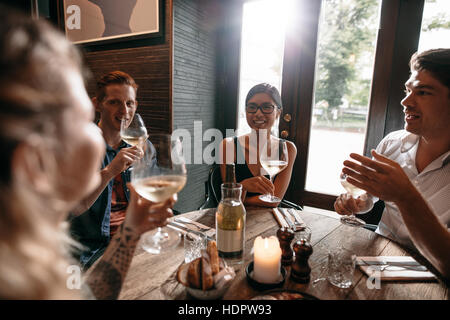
x=267, y=260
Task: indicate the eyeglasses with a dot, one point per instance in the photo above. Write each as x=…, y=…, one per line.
x=265, y=108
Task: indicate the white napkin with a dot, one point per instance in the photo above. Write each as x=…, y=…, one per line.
x=281, y=213
x=392, y=272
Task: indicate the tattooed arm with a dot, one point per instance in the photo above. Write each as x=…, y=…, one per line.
x=106, y=280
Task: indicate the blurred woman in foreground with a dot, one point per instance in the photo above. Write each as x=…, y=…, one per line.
x=50, y=160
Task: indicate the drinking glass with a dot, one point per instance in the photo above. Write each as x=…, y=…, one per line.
x=274, y=159
x=193, y=246
x=355, y=193
x=133, y=131
x=341, y=267
x=157, y=181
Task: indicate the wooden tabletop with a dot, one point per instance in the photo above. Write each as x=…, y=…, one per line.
x=153, y=276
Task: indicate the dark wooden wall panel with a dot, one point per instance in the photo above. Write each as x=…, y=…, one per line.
x=151, y=67
x=194, y=85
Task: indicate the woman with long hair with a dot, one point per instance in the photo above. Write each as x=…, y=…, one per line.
x=50, y=159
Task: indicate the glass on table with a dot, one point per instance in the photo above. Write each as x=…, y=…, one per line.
x=193, y=246
x=274, y=158
x=341, y=267
x=304, y=233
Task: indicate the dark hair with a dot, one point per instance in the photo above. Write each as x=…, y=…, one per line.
x=435, y=61
x=265, y=88
x=114, y=77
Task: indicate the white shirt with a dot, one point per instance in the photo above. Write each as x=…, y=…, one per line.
x=433, y=183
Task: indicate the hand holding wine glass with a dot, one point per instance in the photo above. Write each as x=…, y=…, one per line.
x=274, y=159
x=158, y=182
x=355, y=201
x=144, y=215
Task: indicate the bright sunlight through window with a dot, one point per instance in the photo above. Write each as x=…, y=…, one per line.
x=263, y=30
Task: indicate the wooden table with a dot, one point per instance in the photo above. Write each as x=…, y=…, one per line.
x=152, y=276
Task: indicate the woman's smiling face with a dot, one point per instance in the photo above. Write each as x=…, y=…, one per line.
x=260, y=120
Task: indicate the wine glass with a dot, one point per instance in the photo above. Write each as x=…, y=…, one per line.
x=157, y=181
x=354, y=192
x=133, y=131
x=274, y=159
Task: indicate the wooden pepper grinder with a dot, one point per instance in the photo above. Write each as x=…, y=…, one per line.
x=285, y=236
x=301, y=271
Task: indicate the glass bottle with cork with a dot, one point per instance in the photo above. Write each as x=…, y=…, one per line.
x=230, y=220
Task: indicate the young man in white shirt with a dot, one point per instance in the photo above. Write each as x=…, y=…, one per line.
x=410, y=170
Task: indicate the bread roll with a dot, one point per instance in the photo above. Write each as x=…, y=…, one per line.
x=213, y=256
x=194, y=274
x=207, y=276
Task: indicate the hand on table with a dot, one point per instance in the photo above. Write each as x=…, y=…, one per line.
x=258, y=184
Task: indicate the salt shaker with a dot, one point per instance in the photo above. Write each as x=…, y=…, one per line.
x=285, y=236
x=301, y=270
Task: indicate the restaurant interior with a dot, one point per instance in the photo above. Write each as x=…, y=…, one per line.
x=340, y=67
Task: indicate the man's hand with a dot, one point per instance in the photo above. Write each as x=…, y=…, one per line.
x=143, y=215
x=345, y=204
x=258, y=184
x=124, y=159
x=381, y=177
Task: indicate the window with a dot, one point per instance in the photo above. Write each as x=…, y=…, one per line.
x=262, y=48
x=435, y=32
x=344, y=67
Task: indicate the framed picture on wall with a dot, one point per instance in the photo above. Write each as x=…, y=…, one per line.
x=109, y=24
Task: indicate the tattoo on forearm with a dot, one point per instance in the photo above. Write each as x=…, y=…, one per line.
x=107, y=278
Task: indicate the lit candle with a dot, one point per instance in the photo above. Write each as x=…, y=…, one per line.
x=267, y=260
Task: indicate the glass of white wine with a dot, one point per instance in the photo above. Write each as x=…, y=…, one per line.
x=274, y=159
x=355, y=193
x=133, y=131
x=157, y=181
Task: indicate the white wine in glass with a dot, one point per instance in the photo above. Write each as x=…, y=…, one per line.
x=355, y=192
x=157, y=182
x=273, y=159
x=160, y=188
x=133, y=131
x=273, y=167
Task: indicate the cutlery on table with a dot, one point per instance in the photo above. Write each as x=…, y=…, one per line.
x=185, y=228
x=197, y=225
x=383, y=265
x=287, y=219
x=297, y=219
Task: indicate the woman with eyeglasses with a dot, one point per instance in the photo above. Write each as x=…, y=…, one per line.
x=263, y=107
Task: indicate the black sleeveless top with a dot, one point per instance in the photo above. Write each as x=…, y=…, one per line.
x=240, y=166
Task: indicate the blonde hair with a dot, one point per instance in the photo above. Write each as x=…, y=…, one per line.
x=34, y=242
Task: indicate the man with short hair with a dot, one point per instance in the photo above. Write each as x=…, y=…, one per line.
x=99, y=215
x=410, y=169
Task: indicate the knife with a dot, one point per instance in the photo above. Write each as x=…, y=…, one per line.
x=392, y=263
x=413, y=265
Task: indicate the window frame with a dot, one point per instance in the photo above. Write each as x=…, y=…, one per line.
x=397, y=39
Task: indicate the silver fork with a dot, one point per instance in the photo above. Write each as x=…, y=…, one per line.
x=199, y=228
